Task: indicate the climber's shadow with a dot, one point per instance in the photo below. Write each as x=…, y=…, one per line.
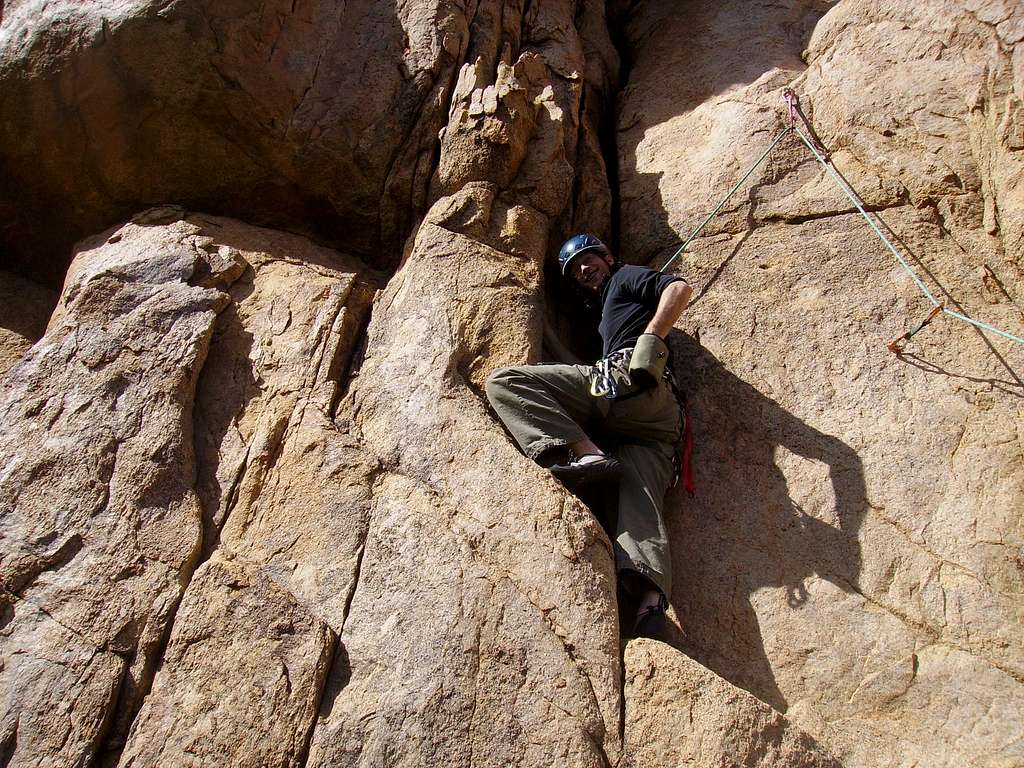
x=742, y=531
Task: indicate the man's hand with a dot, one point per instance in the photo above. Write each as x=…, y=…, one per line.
x=674, y=299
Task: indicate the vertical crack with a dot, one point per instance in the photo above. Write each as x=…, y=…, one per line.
x=126, y=708
x=334, y=679
x=608, y=133
x=302, y=757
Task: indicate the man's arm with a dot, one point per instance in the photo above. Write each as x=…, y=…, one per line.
x=674, y=299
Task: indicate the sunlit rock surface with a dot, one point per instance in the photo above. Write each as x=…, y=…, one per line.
x=254, y=509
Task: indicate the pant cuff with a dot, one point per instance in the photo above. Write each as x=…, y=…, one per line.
x=625, y=563
x=538, y=447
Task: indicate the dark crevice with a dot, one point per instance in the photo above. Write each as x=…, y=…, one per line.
x=818, y=215
x=572, y=315
x=617, y=12
x=352, y=362
x=126, y=704
x=351, y=349
x=109, y=721
x=355, y=574
x=407, y=221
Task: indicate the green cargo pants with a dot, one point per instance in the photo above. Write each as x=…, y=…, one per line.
x=547, y=406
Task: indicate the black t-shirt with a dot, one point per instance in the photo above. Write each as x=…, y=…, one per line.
x=629, y=300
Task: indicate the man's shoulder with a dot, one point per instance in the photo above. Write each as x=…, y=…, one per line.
x=633, y=269
x=633, y=275
x=630, y=272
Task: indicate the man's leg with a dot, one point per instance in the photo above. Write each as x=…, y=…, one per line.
x=650, y=425
x=544, y=406
x=641, y=542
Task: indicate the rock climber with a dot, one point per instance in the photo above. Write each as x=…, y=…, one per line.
x=627, y=400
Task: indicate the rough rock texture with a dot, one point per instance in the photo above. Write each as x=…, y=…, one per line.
x=254, y=509
x=278, y=656
x=25, y=308
x=286, y=503
x=483, y=626
x=852, y=556
x=100, y=520
x=516, y=660
x=102, y=414
x=264, y=110
x=679, y=713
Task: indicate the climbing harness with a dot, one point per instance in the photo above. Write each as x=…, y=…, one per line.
x=810, y=139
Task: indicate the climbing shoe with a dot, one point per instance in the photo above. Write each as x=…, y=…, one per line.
x=587, y=469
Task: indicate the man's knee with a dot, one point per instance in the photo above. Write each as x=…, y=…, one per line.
x=497, y=384
x=505, y=380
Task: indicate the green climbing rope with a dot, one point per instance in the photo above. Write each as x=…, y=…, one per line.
x=795, y=112
x=729, y=194
x=854, y=198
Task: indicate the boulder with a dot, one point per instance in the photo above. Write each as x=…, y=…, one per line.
x=681, y=713
x=317, y=117
x=101, y=523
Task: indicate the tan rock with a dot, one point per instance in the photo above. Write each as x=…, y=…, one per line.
x=939, y=695
x=263, y=403
x=320, y=116
x=851, y=557
x=453, y=483
x=679, y=713
x=59, y=687
x=282, y=346
x=242, y=651
x=25, y=308
x=100, y=522
x=447, y=658
x=855, y=511
x=285, y=490
x=483, y=627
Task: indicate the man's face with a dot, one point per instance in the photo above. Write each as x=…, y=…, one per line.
x=590, y=269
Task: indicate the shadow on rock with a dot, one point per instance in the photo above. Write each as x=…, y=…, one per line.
x=226, y=385
x=742, y=531
x=679, y=95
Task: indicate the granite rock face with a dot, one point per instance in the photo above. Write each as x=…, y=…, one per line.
x=852, y=556
x=315, y=116
x=680, y=713
x=254, y=509
x=101, y=523
x=139, y=442
x=277, y=655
